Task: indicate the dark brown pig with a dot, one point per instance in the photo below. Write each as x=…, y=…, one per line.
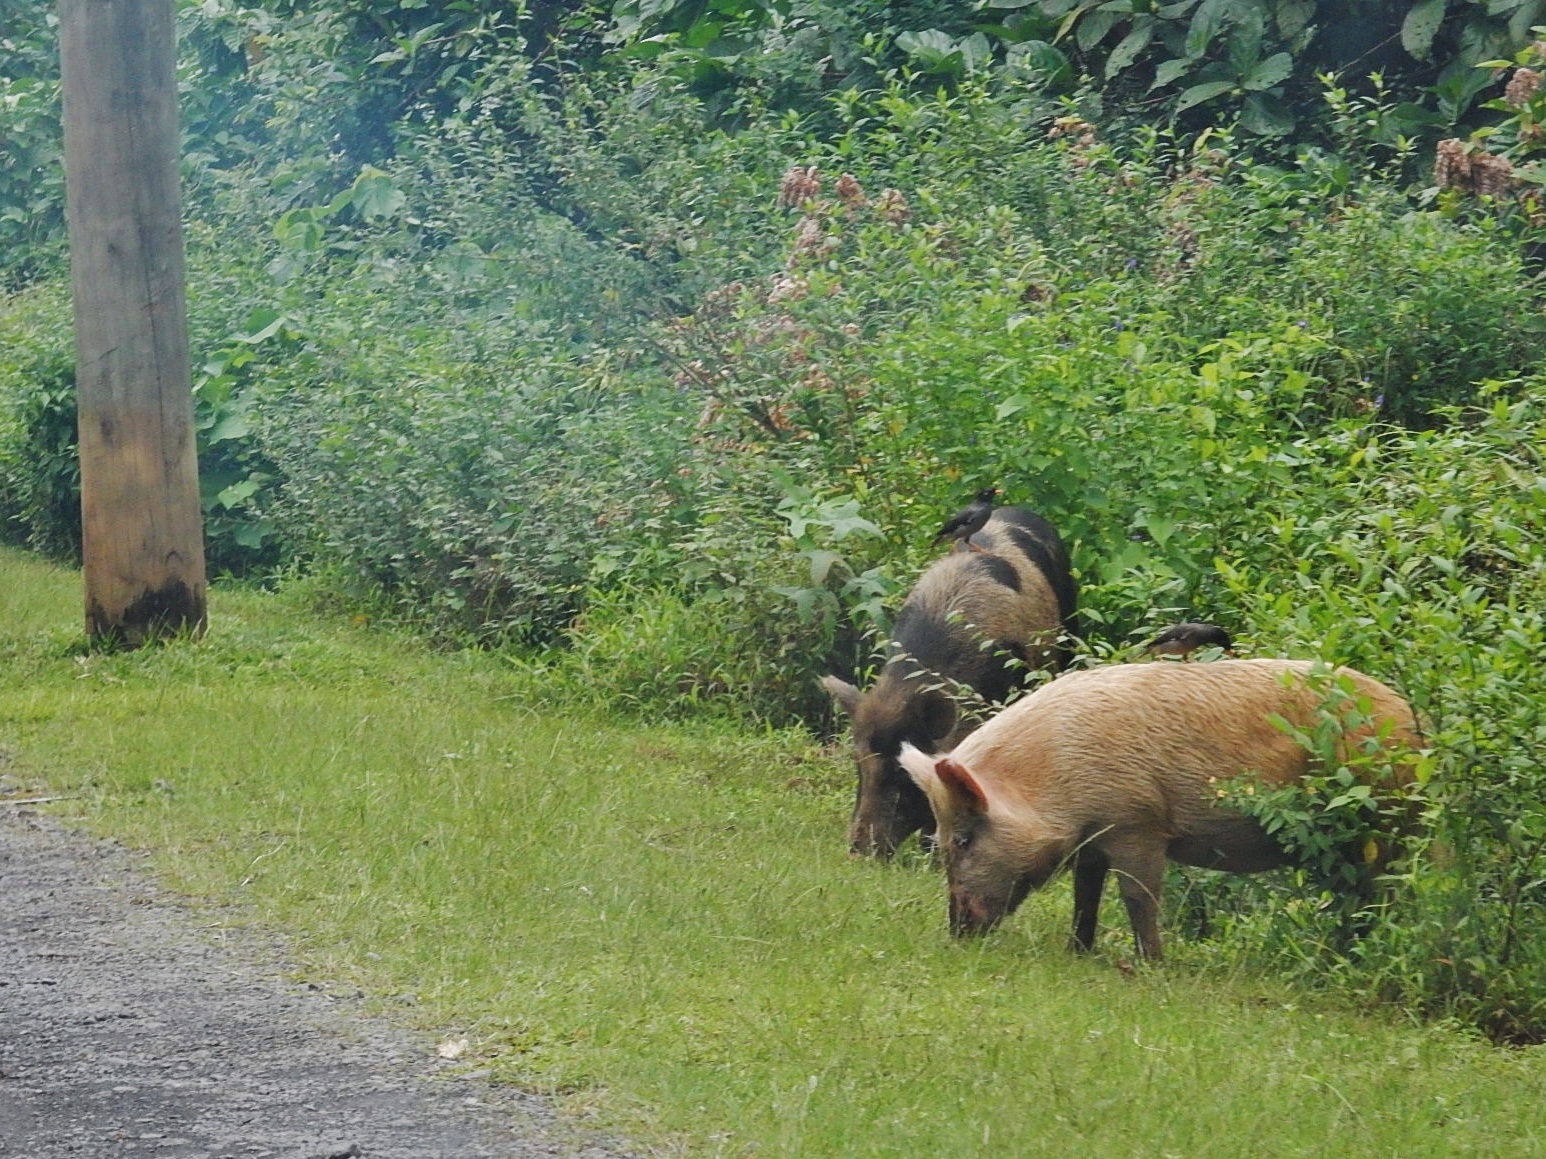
x=1116, y=769
x=973, y=629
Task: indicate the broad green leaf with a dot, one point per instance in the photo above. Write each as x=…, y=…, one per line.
x=1206, y=22
x=230, y=425
x=1293, y=16
x=1043, y=58
x=299, y=229
x=933, y=49
x=1197, y=94
x=844, y=526
x=375, y=196
x=1093, y=28
x=976, y=52
x=703, y=32
x=1274, y=70
x=1421, y=26
x=1070, y=19
x=1409, y=118
x=1217, y=70
x=262, y=324
x=930, y=40
x=1160, y=528
x=821, y=563
x=804, y=600
x=1130, y=46
x=1266, y=116
x=238, y=493
x=1172, y=70
x=1526, y=17
x=1247, y=30
x=250, y=532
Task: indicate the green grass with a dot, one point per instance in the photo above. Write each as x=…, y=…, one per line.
x=661, y=925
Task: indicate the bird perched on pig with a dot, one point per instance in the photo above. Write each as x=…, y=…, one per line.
x=973, y=629
x=968, y=521
x=1116, y=769
x=1184, y=639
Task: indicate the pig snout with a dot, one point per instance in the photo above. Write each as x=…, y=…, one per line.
x=869, y=840
x=970, y=916
x=887, y=815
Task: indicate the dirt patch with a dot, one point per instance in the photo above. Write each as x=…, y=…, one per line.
x=127, y=1031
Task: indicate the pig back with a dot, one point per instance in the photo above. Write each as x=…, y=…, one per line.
x=1015, y=596
x=1146, y=743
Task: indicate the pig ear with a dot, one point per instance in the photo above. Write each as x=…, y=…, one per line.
x=938, y=716
x=843, y=694
x=965, y=793
x=951, y=790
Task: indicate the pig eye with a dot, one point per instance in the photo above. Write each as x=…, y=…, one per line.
x=961, y=842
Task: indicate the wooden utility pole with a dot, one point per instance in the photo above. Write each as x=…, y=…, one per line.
x=143, y=541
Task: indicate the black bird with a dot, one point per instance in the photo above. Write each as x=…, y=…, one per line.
x=1184, y=639
x=968, y=521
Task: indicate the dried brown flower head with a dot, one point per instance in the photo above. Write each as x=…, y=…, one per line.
x=850, y=192
x=1452, y=165
x=1468, y=167
x=1521, y=87
x=1072, y=126
x=892, y=206
x=808, y=236
x=800, y=185
x=787, y=288
x=1492, y=176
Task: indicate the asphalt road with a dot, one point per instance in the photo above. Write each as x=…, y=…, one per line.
x=128, y=1030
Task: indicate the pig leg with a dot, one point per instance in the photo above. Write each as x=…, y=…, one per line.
x=1139, y=863
x=1090, y=867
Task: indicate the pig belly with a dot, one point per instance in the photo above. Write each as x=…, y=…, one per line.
x=1232, y=843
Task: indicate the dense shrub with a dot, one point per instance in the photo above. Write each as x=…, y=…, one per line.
x=1419, y=557
x=40, y=502
x=32, y=164
x=479, y=496
x=39, y=467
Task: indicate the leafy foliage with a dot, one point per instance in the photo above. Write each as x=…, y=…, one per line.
x=39, y=467
x=1418, y=556
x=32, y=165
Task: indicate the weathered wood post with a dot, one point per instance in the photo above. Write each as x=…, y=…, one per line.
x=142, y=529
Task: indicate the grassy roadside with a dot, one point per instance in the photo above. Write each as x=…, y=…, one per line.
x=660, y=924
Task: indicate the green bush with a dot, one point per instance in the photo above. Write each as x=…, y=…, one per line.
x=479, y=492
x=40, y=504
x=32, y=165
x=1418, y=558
